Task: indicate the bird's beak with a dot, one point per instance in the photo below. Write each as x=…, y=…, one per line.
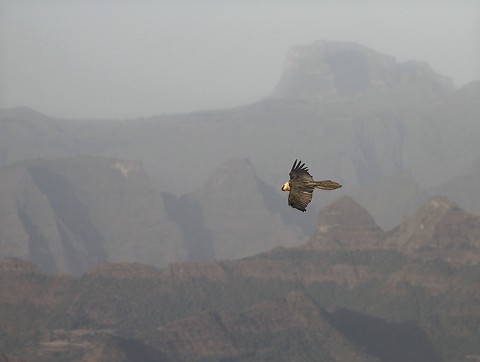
x=286, y=186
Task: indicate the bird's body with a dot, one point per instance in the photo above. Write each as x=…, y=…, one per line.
x=302, y=184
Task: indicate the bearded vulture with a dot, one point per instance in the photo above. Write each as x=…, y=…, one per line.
x=301, y=186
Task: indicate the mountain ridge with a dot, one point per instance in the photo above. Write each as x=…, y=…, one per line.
x=267, y=305
x=407, y=269
x=69, y=214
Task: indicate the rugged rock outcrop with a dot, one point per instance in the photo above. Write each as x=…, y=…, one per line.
x=344, y=224
x=340, y=69
x=440, y=228
x=266, y=331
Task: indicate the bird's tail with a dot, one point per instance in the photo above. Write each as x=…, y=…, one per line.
x=327, y=185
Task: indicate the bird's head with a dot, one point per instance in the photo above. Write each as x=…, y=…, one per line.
x=286, y=186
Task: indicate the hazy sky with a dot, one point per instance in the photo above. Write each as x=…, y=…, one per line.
x=123, y=59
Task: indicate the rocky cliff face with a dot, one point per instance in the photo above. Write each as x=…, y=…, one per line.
x=71, y=214
x=235, y=335
x=368, y=141
x=344, y=224
x=242, y=213
x=439, y=228
x=325, y=70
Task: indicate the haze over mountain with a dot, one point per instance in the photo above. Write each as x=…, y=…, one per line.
x=70, y=214
x=331, y=70
x=129, y=59
x=111, y=201
x=403, y=129
x=234, y=200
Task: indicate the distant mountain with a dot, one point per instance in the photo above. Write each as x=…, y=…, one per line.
x=77, y=195
x=390, y=132
x=341, y=69
x=410, y=294
x=70, y=214
x=442, y=229
x=345, y=225
x=245, y=216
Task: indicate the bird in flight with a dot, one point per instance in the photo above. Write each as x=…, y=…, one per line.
x=302, y=184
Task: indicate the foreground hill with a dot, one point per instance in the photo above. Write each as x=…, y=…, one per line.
x=352, y=292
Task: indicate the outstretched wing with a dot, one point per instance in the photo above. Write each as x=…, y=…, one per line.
x=299, y=197
x=300, y=171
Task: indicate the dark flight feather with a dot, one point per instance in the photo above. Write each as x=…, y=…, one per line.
x=300, y=171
